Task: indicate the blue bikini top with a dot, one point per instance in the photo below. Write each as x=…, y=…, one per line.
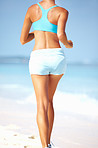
x=43, y=24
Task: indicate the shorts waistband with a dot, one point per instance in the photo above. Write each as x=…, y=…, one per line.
x=47, y=50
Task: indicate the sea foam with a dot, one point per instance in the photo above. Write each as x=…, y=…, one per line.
x=69, y=102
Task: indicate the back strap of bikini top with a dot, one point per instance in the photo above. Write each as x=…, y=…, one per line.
x=48, y=8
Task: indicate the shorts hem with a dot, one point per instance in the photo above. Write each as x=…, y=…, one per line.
x=57, y=73
x=47, y=74
x=38, y=74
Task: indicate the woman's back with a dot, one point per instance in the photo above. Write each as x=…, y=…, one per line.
x=47, y=39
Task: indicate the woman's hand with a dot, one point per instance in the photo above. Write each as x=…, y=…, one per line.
x=70, y=44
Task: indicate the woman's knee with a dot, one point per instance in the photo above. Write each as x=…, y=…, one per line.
x=51, y=101
x=42, y=104
x=51, y=107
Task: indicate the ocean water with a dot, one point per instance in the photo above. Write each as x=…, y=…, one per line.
x=77, y=91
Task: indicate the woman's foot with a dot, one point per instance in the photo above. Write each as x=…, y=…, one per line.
x=51, y=145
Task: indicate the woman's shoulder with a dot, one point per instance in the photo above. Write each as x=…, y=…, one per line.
x=34, y=6
x=63, y=10
x=32, y=9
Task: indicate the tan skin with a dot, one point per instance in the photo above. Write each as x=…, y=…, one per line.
x=45, y=85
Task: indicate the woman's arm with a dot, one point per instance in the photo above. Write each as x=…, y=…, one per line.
x=65, y=41
x=25, y=35
x=61, y=29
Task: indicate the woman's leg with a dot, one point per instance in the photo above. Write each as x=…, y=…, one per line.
x=40, y=83
x=45, y=86
x=52, y=85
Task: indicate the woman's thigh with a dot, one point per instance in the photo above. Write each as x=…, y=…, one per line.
x=52, y=85
x=45, y=85
x=40, y=84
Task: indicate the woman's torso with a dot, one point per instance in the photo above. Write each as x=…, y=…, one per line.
x=45, y=39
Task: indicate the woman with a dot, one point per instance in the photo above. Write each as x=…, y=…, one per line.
x=47, y=62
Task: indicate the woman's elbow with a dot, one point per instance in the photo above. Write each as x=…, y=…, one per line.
x=60, y=35
x=22, y=41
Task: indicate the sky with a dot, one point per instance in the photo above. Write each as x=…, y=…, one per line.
x=81, y=28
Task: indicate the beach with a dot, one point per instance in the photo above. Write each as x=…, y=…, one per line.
x=75, y=103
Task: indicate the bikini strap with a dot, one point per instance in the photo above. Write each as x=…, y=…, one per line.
x=40, y=6
x=52, y=7
x=48, y=8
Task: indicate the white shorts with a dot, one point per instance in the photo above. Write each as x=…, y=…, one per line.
x=47, y=61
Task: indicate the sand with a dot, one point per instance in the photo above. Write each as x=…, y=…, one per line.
x=18, y=128
x=11, y=139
